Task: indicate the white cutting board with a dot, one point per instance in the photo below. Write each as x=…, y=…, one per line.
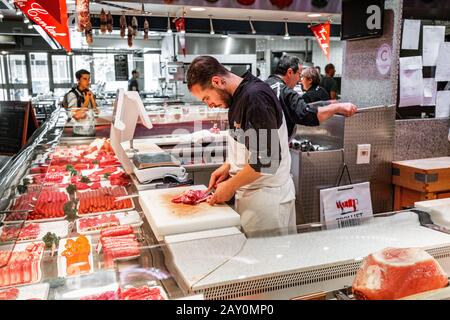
x=167, y=218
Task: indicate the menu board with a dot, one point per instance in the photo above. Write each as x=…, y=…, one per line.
x=17, y=124
x=121, y=67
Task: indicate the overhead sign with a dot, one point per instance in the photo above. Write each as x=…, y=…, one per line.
x=322, y=34
x=51, y=15
x=362, y=19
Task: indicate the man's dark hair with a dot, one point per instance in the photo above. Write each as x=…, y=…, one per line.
x=328, y=67
x=285, y=63
x=134, y=72
x=202, y=69
x=80, y=73
x=318, y=68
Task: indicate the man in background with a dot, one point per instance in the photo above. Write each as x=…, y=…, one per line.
x=328, y=82
x=80, y=96
x=295, y=108
x=133, y=84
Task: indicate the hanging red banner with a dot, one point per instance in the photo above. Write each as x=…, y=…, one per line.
x=322, y=34
x=51, y=15
x=181, y=28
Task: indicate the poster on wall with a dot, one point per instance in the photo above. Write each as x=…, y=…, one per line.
x=411, y=34
x=411, y=81
x=433, y=36
x=429, y=92
x=443, y=62
x=121, y=67
x=443, y=104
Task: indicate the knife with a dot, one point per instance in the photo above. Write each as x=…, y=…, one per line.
x=425, y=221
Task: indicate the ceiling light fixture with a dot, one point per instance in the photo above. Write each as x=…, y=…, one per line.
x=251, y=25
x=18, y=12
x=286, y=31
x=198, y=9
x=314, y=15
x=25, y=20
x=1, y=16
x=30, y=26
x=211, y=27
x=169, y=30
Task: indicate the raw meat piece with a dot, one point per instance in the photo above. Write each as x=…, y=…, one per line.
x=394, y=273
x=191, y=197
x=9, y=294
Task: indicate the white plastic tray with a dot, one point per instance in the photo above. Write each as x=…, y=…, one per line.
x=60, y=228
x=125, y=218
x=62, y=271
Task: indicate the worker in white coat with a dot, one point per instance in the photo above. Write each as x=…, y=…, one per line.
x=257, y=170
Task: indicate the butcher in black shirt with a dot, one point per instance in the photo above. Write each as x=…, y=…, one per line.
x=257, y=170
x=295, y=108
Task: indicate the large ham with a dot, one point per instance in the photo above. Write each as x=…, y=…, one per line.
x=191, y=197
x=394, y=273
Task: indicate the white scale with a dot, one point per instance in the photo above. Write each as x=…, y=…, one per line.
x=121, y=136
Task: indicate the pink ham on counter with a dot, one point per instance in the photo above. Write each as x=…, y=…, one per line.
x=394, y=273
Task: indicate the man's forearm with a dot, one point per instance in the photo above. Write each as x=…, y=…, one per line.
x=246, y=176
x=326, y=112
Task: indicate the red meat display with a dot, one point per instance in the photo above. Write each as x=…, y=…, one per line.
x=45, y=205
x=118, y=242
x=19, y=233
x=133, y=293
x=395, y=273
x=98, y=222
x=191, y=197
x=21, y=267
x=102, y=200
x=9, y=294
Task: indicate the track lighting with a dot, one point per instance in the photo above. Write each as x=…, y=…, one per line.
x=169, y=30
x=286, y=31
x=211, y=28
x=251, y=25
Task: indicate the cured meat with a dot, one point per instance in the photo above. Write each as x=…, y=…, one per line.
x=281, y=3
x=98, y=222
x=246, y=2
x=103, y=199
x=12, y=233
x=123, y=25
x=130, y=36
x=146, y=28
x=109, y=22
x=82, y=14
x=394, y=273
x=133, y=293
x=103, y=21
x=88, y=33
x=116, y=231
x=134, y=25
x=191, y=197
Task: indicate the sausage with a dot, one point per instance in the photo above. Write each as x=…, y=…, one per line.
x=123, y=25
x=134, y=25
x=103, y=21
x=130, y=36
x=82, y=14
x=109, y=22
x=88, y=33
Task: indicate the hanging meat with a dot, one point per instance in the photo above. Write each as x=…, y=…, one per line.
x=134, y=25
x=88, y=33
x=123, y=25
x=130, y=36
x=103, y=21
x=82, y=14
x=394, y=273
x=281, y=3
x=246, y=2
x=109, y=22
x=146, y=28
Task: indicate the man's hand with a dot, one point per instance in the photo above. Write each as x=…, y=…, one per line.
x=220, y=174
x=347, y=109
x=223, y=193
